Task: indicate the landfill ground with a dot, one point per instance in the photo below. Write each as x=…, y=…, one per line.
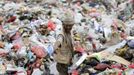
x=66, y=37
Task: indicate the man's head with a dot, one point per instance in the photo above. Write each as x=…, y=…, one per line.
x=68, y=21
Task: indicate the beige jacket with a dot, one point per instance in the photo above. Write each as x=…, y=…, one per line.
x=64, y=53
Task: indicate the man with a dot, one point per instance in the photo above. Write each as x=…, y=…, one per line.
x=63, y=46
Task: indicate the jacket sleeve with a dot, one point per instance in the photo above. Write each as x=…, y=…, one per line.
x=58, y=42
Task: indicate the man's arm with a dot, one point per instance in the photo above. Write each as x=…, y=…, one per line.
x=58, y=42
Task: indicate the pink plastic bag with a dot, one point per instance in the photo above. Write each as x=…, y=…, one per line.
x=94, y=14
x=16, y=36
x=17, y=46
x=39, y=51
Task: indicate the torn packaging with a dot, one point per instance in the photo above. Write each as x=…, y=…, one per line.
x=109, y=56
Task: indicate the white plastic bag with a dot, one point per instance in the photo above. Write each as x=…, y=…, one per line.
x=37, y=71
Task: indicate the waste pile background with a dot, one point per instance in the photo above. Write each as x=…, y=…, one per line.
x=103, y=36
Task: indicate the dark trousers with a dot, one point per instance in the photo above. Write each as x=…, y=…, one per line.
x=62, y=68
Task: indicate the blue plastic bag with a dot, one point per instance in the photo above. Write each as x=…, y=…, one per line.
x=131, y=43
x=50, y=49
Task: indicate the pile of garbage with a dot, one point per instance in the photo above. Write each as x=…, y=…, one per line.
x=103, y=36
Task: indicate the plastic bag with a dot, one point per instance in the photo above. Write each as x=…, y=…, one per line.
x=51, y=25
x=16, y=36
x=78, y=47
x=50, y=50
x=102, y=66
x=21, y=71
x=17, y=44
x=131, y=43
x=12, y=19
x=31, y=56
x=39, y=51
x=22, y=52
x=37, y=72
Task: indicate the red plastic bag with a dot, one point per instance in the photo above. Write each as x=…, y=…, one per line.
x=116, y=66
x=78, y=47
x=12, y=19
x=51, y=25
x=39, y=51
x=75, y=72
x=131, y=66
x=94, y=46
x=102, y=66
x=119, y=73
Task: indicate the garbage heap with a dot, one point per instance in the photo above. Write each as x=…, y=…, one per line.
x=103, y=36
